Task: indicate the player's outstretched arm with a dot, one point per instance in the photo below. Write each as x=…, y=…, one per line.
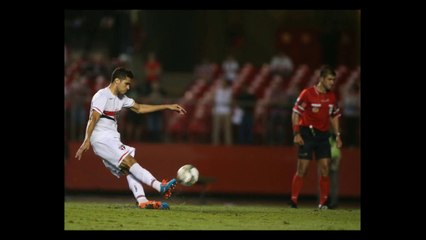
x=145, y=108
x=177, y=108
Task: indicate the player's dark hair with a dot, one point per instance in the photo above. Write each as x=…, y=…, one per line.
x=327, y=70
x=121, y=73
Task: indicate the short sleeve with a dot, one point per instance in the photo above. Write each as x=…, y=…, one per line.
x=98, y=102
x=301, y=103
x=128, y=102
x=335, y=112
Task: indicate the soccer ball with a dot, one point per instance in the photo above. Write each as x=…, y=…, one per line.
x=187, y=175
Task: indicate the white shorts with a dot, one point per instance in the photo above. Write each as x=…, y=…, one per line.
x=112, y=151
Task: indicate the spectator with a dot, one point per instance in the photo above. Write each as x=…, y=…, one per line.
x=222, y=112
x=155, y=120
x=79, y=96
x=230, y=68
x=277, y=113
x=153, y=71
x=246, y=101
x=204, y=70
x=282, y=65
x=351, y=113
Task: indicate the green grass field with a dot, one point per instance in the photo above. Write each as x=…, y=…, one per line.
x=80, y=215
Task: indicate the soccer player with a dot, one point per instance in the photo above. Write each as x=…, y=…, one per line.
x=102, y=134
x=314, y=110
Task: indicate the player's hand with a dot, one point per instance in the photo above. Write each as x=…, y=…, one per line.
x=177, y=108
x=84, y=147
x=298, y=140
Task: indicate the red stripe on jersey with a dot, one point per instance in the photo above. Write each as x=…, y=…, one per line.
x=109, y=113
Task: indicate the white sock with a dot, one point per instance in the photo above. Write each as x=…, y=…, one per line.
x=136, y=188
x=144, y=176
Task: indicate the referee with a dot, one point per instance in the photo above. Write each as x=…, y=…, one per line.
x=314, y=110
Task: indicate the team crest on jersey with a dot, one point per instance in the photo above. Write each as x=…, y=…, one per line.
x=315, y=107
x=122, y=147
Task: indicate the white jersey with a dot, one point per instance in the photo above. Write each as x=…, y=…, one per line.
x=105, y=139
x=108, y=105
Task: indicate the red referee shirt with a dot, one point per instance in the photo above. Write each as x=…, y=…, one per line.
x=316, y=108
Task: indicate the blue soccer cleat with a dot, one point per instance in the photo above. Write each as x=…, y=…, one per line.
x=154, y=205
x=167, y=187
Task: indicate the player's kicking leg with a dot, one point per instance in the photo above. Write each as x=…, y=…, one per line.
x=164, y=188
x=139, y=194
